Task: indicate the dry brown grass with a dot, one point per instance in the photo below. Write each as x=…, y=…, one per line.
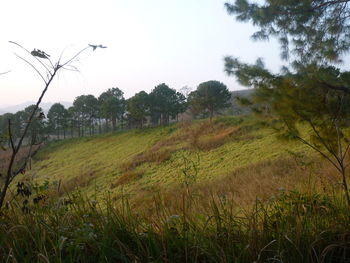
x=150, y=156
x=243, y=186
x=82, y=180
x=5, y=156
x=266, y=179
x=209, y=135
x=217, y=139
x=127, y=178
x=191, y=136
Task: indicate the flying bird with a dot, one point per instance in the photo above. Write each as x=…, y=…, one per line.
x=96, y=46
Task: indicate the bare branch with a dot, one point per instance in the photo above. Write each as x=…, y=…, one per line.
x=329, y=149
x=328, y=3
x=340, y=145
x=3, y=73
x=339, y=88
x=22, y=168
x=30, y=64
x=10, y=135
x=319, y=151
x=12, y=42
x=35, y=109
x=71, y=68
x=75, y=56
x=15, y=148
x=346, y=151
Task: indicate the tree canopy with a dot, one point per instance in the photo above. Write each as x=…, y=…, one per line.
x=138, y=108
x=210, y=96
x=165, y=103
x=112, y=105
x=57, y=117
x=314, y=30
x=314, y=92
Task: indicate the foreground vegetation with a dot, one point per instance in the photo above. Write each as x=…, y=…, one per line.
x=223, y=191
x=220, y=191
x=291, y=227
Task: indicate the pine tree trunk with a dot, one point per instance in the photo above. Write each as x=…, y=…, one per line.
x=113, y=123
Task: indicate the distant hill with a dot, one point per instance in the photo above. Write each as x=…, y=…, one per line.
x=45, y=106
x=243, y=93
x=237, y=109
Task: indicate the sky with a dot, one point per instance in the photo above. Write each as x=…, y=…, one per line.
x=177, y=42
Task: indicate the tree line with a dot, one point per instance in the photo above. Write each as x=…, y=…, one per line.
x=110, y=111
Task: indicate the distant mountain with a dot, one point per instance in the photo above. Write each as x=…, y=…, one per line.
x=242, y=93
x=235, y=108
x=44, y=105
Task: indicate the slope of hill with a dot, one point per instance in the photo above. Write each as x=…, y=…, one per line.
x=236, y=108
x=188, y=192
x=228, y=155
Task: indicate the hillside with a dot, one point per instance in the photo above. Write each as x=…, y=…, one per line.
x=188, y=192
x=229, y=155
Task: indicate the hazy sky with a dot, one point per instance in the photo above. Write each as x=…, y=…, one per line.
x=178, y=42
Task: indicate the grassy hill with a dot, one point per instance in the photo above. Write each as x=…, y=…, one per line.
x=188, y=192
x=230, y=155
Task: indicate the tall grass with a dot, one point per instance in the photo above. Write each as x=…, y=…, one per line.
x=291, y=227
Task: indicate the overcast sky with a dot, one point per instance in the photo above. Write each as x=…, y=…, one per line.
x=177, y=42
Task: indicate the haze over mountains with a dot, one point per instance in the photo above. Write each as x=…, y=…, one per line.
x=44, y=105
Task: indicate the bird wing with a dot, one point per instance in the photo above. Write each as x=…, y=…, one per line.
x=93, y=47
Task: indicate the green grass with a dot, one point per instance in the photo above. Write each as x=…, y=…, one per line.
x=292, y=227
x=97, y=164
x=226, y=191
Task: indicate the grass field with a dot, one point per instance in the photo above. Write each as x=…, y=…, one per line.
x=221, y=191
x=231, y=155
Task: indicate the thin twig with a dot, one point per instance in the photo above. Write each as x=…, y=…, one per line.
x=2, y=73
x=10, y=135
x=15, y=148
x=319, y=151
x=30, y=64
x=12, y=42
x=75, y=56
